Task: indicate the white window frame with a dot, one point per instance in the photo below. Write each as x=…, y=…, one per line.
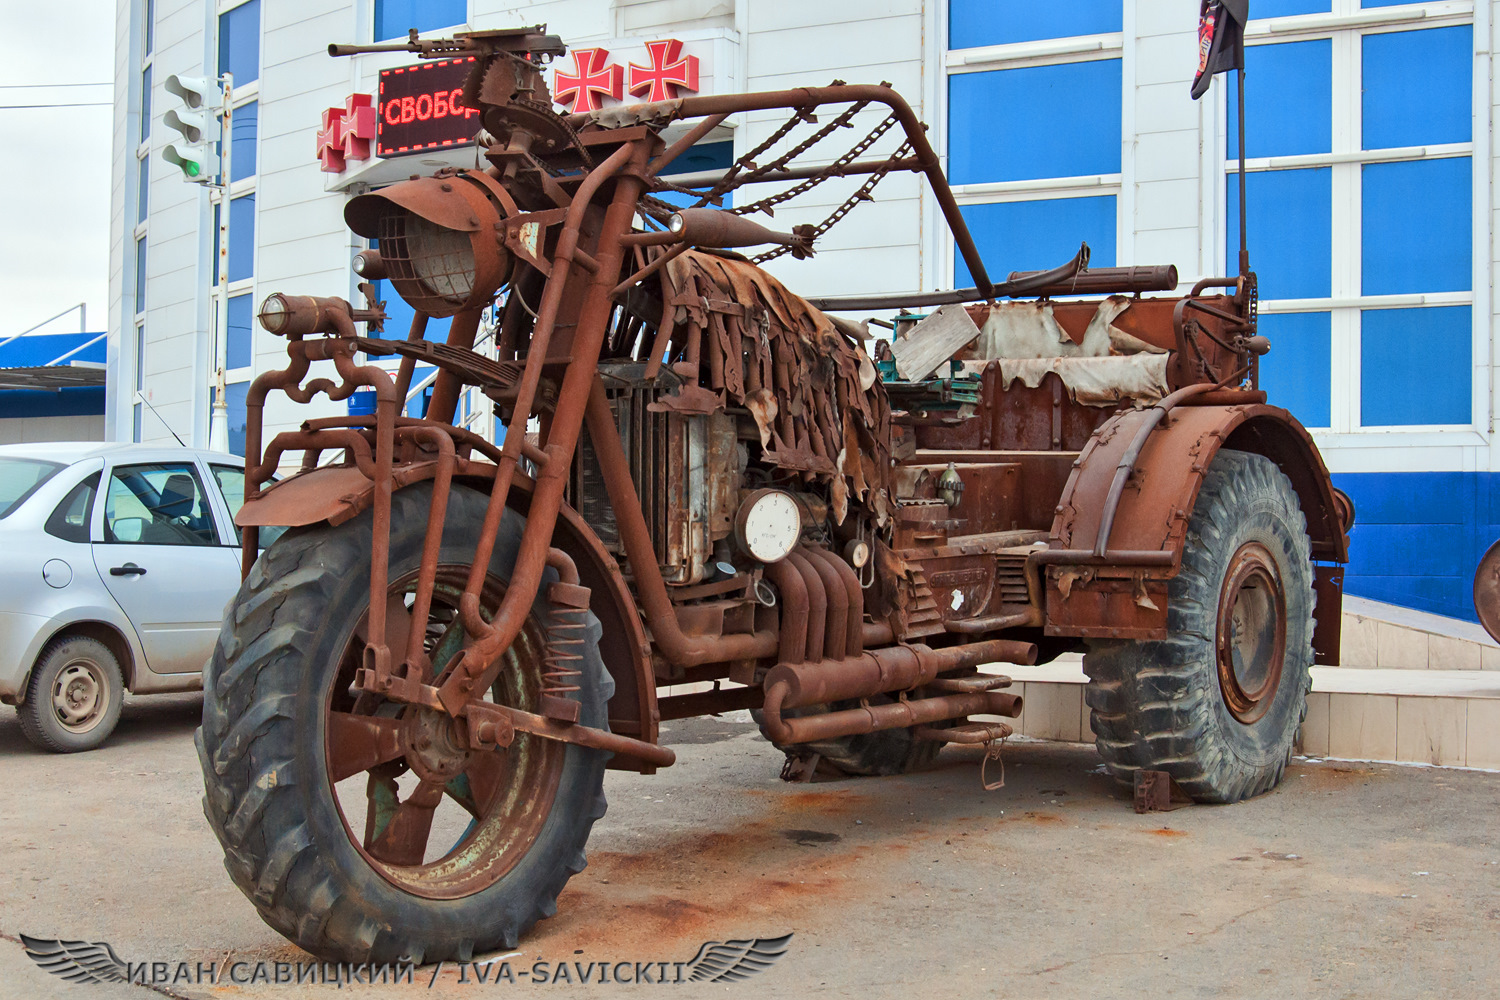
x=1346, y=27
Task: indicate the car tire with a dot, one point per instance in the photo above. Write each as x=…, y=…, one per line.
x=74, y=696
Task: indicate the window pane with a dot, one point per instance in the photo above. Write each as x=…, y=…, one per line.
x=1037, y=235
x=1418, y=227
x=1010, y=124
x=239, y=43
x=1289, y=100
x=21, y=477
x=1291, y=231
x=232, y=485
x=1416, y=366
x=70, y=520
x=972, y=23
x=140, y=275
x=242, y=237
x=1297, y=372
x=243, y=125
x=703, y=156
x=149, y=28
x=393, y=18
x=234, y=399
x=237, y=345
x=1417, y=87
x=1385, y=3
x=143, y=170
x=157, y=505
x=1283, y=8
x=145, y=104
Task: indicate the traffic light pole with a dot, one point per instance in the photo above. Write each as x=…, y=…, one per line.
x=218, y=420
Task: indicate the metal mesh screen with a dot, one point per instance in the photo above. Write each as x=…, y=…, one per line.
x=432, y=267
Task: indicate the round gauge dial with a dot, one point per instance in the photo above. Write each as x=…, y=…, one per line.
x=768, y=525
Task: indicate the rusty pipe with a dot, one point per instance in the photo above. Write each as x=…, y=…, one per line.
x=854, y=633
x=836, y=631
x=892, y=715
x=817, y=604
x=880, y=671
x=788, y=581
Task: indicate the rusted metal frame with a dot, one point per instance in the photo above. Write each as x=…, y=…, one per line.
x=898, y=164
x=927, y=158
x=1030, y=283
x=885, y=670
x=503, y=719
x=687, y=706
x=480, y=661
x=541, y=339
x=409, y=364
x=447, y=387
x=432, y=543
x=687, y=142
x=460, y=436
x=991, y=623
x=650, y=269
x=661, y=616
x=356, y=446
x=893, y=715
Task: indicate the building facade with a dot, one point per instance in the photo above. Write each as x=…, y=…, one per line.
x=1369, y=163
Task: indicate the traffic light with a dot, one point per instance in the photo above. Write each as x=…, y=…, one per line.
x=198, y=122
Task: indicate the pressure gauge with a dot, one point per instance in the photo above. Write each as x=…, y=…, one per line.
x=768, y=525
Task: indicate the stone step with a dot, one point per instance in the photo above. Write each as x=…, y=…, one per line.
x=1389, y=636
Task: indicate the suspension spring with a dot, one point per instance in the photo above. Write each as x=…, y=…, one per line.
x=563, y=662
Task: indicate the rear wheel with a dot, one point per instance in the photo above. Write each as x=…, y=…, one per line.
x=74, y=697
x=1218, y=703
x=362, y=829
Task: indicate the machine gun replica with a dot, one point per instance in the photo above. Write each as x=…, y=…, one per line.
x=420, y=684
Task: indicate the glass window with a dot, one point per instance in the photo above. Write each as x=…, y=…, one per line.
x=1416, y=366
x=234, y=399
x=1005, y=123
x=140, y=275
x=1418, y=227
x=1418, y=87
x=1291, y=231
x=241, y=238
x=1384, y=3
x=1036, y=235
x=1285, y=8
x=143, y=188
x=231, y=480
x=1298, y=370
x=160, y=504
x=20, y=477
x=239, y=42
x=1289, y=109
x=145, y=104
x=70, y=521
x=148, y=30
x=244, y=124
x=972, y=23
x=237, y=346
x=393, y=18
x=704, y=156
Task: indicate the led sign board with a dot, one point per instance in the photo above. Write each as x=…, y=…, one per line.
x=421, y=107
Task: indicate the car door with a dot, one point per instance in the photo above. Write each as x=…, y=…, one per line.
x=163, y=558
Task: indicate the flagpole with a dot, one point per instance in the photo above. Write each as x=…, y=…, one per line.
x=1244, y=244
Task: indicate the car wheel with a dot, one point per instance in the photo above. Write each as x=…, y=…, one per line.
x=73, y=700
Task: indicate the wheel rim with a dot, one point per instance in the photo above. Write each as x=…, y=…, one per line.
x=402, y=778
x=1250, y=645
x=80, y=696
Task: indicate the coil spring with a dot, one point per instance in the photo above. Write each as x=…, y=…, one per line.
x=561, y=667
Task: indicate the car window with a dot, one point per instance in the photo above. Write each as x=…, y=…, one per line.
x=70, y=520
x=21, y=477
x=158, y=504
x=231, y=481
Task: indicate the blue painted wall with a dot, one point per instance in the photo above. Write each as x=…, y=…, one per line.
x=1418, y=537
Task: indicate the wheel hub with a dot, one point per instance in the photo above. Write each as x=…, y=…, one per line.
x=434, y=748
x=77, y=696
x=1250, y=645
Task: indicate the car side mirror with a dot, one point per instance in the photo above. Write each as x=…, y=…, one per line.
x=127, y=529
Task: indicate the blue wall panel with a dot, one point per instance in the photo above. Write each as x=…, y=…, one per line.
x=1288, y=100
x=1037, y=235
x=1296, y=373
x=1418, y=227
x=1435, y=343
x=1004, y=124
x=972, y=23
x=1291, y=231
x=1283, y=8
x=1418, y=87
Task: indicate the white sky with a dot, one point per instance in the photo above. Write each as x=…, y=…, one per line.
x=55, y=163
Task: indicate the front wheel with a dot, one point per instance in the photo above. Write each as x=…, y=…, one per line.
x=1217, y=704
x=365, y=830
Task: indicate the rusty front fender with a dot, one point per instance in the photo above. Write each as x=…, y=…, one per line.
x=337, y=493
x=1122, y=595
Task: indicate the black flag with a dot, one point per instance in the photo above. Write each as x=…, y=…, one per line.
x=1221, y=40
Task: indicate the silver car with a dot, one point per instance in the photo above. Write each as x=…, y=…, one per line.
x=117, y=562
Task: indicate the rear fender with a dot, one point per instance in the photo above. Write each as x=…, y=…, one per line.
x=1116, y=601
x=336, y=494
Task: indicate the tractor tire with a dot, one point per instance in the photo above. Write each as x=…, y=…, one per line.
x=1218, y=703
x=278, y=679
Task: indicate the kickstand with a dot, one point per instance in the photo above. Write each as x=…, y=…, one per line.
x=1155, y=791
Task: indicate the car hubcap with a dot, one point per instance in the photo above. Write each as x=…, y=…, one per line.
x=1251, y=639
x=79, y=696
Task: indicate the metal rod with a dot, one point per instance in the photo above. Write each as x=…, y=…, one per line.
x=1244, y=244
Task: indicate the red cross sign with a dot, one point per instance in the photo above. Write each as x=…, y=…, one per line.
x=668, y=72
x=593, y=77
x=346, y=133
